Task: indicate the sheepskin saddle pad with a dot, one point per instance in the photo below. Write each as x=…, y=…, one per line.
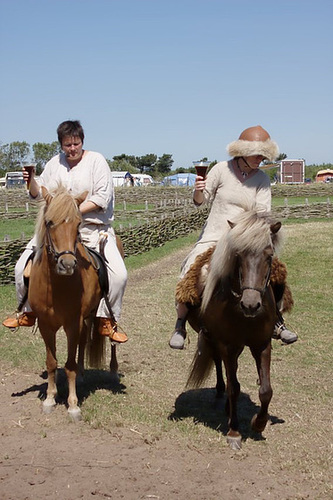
x=189, y=289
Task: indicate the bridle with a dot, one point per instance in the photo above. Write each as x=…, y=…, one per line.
x=51, y=248
x=260, y=290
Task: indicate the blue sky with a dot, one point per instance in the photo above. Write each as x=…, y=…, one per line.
x=182, y=77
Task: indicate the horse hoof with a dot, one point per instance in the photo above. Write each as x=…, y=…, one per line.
x=235, y=442
x=258, y=426
x=75, y=414
x=48, y=407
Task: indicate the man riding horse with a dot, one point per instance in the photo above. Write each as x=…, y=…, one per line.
x=80, y=170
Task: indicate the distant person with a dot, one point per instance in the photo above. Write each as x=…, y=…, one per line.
x=129, y=180
x=80, y=170
x=226, y=186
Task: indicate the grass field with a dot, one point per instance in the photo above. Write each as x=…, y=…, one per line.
x=152, y=399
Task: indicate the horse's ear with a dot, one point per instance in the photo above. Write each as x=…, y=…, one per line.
x=231, y=224
x=80, y=198
x=275, y=227
x=46, y=195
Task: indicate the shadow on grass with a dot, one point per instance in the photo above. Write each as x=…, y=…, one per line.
x=200, y=405
x=92, y=381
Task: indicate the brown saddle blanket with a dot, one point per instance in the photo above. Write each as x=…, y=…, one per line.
x=189, y=287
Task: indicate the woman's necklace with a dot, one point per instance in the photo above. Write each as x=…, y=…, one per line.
x=244, y=174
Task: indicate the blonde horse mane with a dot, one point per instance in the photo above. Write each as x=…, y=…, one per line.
x=59, y=206
x=250, y=231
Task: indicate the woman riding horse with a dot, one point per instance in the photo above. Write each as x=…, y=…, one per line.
x=226, y=186
x=80, y=170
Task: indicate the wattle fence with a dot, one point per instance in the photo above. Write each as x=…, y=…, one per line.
x=171, y=215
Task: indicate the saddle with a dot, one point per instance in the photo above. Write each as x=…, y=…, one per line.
x=99, y=260
x=99, y=263
x=189, y=289
x=27, y=269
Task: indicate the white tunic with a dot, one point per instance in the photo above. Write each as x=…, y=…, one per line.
x=91, y=174
x=227, y=190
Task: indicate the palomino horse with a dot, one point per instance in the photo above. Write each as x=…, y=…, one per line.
x=238, y=309
x=64, y=291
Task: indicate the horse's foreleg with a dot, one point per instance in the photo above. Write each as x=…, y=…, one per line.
x=263, y=361
x=233, y=389
x=49, y=338
x=71, y=369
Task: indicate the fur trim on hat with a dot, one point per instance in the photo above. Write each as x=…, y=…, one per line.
x=269, y=149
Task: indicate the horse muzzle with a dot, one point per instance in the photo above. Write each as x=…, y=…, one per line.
x=66, y=265
x=251, y=302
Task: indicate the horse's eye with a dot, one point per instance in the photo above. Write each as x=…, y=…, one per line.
x=49, y=224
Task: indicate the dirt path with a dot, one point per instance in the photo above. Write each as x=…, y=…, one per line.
x=48, y=457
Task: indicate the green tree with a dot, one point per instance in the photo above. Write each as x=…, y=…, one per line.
x=164, y=164
x=43, y=152
x=121, y=165
x=146, y=163
x=312, y=170
x=13, y=155
x=130, y=159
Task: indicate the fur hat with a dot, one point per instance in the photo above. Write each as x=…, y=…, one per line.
x=254, y=141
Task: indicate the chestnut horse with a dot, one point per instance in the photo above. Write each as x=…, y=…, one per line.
x=238, y=309
x=64, y=291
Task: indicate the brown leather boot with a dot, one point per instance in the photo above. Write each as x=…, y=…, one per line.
x=109, y=328
x=24, y=319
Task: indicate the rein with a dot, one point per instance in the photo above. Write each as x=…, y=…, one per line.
x=51, y=248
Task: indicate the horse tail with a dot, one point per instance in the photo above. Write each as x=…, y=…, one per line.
x=201, y=365
x=96, y=348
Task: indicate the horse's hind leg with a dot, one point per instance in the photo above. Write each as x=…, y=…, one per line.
x=263, y=361
x=220, y=385
x=114, y=363
x=82, y=346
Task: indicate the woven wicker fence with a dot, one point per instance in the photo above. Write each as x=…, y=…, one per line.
x=136, y=239
x=154, y=233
